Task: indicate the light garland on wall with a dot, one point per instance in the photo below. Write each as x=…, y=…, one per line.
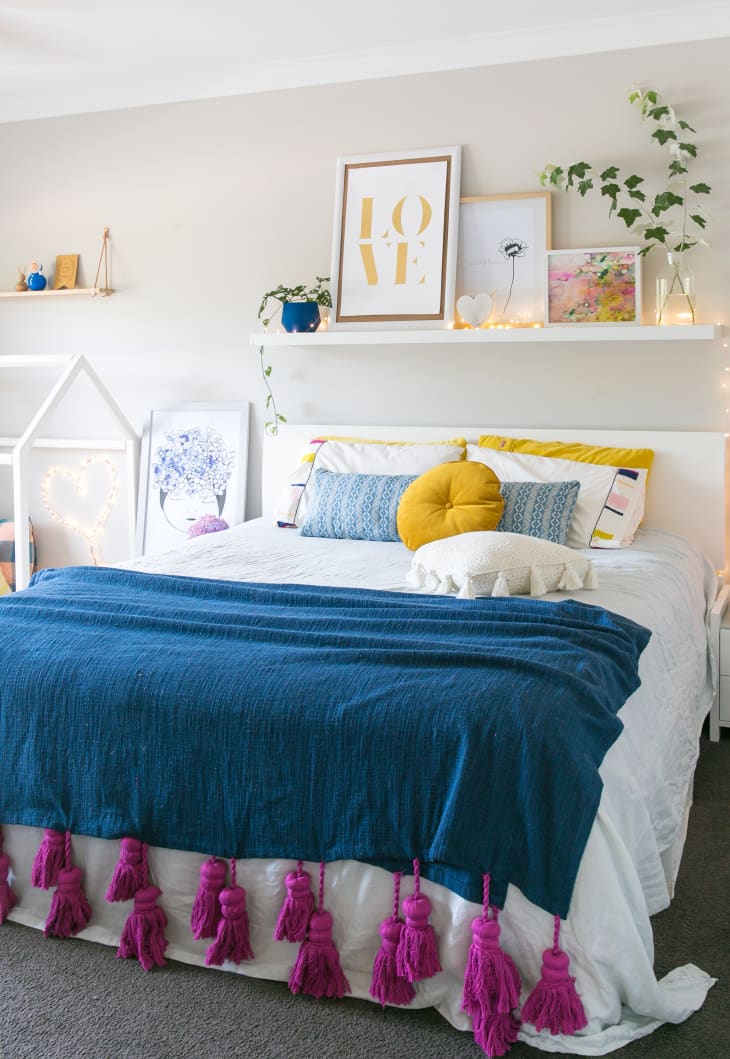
x=80, y=482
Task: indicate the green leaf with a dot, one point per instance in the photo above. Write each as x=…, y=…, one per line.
x=676, y=167
x=684, y=245
x=283, y=419
x=637, y=194
x=685, y=125
x=633, y=181
x=629, y=216
x=267, y=371
x=658, y=233
x=698, y=220
x=645, y=250
x=663, y=135
x=651, y=95
x=269, y=401
x=556, y=174
x=700, y=189
x=665, y=201
x=610, y=174
x=579, y=170
x=688, y=148
x=584, y=186
x=611, y=191
x=658, y=112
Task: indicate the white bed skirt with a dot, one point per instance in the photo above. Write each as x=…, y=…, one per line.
x=622, y=999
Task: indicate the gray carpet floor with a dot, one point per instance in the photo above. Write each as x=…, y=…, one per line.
x=73, y=1000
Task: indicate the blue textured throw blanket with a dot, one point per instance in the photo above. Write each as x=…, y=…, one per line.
x=263, y=720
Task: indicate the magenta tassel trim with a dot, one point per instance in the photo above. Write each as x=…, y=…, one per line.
x=387, y=986
x=317, y=970
x=49, y=859
x=8, y=897
x=206, y=913
x=70, y=910
x=297, y=908
x=129, y=873
x=144, y=932
x=495, y=1034
x=417, y=955
x=491, y=980
x=554, y=1003
x=231, y=942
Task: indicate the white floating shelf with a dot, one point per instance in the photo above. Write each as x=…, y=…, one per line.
x=453, y=337
x=30, y=295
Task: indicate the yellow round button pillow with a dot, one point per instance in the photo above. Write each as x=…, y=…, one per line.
x=451, y=498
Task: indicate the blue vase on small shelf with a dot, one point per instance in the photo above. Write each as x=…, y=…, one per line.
x=300, y=316
x=36, y=279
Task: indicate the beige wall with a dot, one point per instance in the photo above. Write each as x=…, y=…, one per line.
x=211, y=203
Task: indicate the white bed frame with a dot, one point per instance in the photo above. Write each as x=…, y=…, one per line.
x=686, y=495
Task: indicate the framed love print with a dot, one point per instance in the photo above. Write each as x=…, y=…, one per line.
x=501, y=260
x=395, y=238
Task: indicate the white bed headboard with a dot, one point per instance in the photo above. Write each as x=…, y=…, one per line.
x=687, y=491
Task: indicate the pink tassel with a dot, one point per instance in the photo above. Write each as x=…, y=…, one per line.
x=417, y=954
x=386, y=985
x=317, y=970
x=297, y=908
x=491, y=985
x=128, y=874
x=554, y=1002
x=231, y=942
x=144, y=932
x=8, y=897
x=70, y=910
x=496, y=1034
x=49, y=859
x=206, y=913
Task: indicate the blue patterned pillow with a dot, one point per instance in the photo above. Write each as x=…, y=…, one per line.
x=539, y=510
x=359, y=507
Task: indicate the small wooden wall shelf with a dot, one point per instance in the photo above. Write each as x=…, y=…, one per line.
x=29, y=295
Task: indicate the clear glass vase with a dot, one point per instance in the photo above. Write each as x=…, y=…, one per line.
x=675, y=293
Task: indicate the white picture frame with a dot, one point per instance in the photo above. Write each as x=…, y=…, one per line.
x=574, y=297
x=395, y=239
x=200, y=451
x=503, y=240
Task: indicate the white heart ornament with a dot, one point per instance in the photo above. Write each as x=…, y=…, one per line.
x=474, y=311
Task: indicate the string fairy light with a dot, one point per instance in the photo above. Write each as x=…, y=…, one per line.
x=79, y=479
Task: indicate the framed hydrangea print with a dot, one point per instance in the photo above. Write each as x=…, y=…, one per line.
x=193, y=465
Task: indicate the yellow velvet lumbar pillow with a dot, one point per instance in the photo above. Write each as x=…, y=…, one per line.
x=572, y=450
x=458, y=497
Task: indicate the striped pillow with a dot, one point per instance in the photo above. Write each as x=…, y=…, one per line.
x=7, y=550
x=539, y=509
x=360, y=507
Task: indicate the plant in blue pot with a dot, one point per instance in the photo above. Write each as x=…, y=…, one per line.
x=36, y=279
x=299, y=305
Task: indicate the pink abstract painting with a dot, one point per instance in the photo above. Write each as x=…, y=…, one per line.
x=593, y=286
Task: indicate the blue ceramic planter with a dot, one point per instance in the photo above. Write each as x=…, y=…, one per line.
x=36, y=281
x=300, y=316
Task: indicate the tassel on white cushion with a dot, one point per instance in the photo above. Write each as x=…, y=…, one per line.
x=501, y=588
x=432, y=582
x=591, y=578
x=467, y=590
x=415, y=576
x=447, y=586
x=537, y=585
x=569, y=579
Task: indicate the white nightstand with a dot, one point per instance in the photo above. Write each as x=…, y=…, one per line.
x=720, y=630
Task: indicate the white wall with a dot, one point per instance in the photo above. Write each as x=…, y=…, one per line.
x=211, y=203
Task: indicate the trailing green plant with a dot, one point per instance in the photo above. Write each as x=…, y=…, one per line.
x=316, y=293
x=673, y=219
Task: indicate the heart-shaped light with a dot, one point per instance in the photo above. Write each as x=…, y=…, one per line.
x=79, y=481
x=474, y=311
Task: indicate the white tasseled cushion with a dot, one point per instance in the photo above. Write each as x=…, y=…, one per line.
x=487, y=563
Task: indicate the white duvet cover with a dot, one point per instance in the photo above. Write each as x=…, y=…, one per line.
x=630, y=862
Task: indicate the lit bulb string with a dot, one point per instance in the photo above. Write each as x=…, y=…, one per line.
x=79, y=480
x=725, y=386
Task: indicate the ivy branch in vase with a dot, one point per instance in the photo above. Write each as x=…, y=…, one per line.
x=673, y=219
x=315, y=295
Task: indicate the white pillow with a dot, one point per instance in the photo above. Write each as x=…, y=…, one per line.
x=594, y=522
x=356, y=457
x=489, y=563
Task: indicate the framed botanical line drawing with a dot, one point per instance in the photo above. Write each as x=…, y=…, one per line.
x=594, y=286
x=394, y=239
x=502, y=245
x=193, y=463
